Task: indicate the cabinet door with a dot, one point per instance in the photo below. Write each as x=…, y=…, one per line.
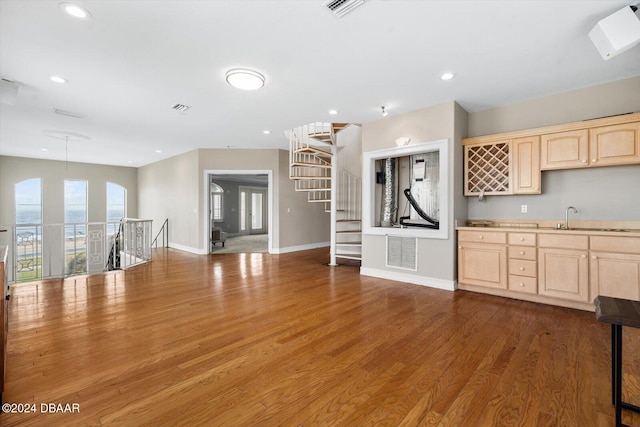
x=482, y=265
x=488, y=169
x=564, y=150
x=615, y=145
x=615, y=275
x=563, y=273
x=526, y=165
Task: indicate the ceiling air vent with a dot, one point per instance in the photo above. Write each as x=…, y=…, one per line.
x=342, y=7
x=181, y=107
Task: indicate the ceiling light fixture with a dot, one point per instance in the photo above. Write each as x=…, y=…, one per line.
x=333, y=112
x=242, y=78
x=158, y=151
x=58, y=79
x=447, y=76
x=266, y=132
x=75, y=11
x=384, y=111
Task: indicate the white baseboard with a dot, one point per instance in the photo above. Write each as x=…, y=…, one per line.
x=300, y=248
x=447, y=285
x=189, y=249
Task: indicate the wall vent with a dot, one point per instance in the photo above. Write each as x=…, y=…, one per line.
x=402, y=252
x=181, y=107
x=342, y=7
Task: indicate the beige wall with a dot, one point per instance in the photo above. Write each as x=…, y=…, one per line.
x=436, y=257
x=609, y=99
x=607, y=193
x=169, y=189
x=176, y=188
x=53, y=173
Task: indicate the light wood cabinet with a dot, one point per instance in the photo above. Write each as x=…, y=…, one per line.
x=564, y=150
x=563, y=266
x=522, y=263
x=482, y=258
x=615, y=267
x=615, y=145
x=564, y=273
x=488, y=168
x=526, y=165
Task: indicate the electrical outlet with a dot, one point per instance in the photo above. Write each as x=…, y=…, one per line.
x=523, y=208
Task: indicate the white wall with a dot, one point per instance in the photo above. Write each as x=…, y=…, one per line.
x=607, y=193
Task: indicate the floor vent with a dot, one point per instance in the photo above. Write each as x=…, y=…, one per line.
x=402, y=252
x=342, y=7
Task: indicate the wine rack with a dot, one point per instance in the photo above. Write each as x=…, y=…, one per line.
x=488, y=169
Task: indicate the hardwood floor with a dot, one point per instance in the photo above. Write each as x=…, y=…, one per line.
x=262, y=340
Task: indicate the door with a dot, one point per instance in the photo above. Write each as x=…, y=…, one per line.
x=253, y=210
x=563, y=273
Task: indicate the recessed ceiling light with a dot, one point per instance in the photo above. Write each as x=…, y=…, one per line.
x=447, y=76
x=244, y=79
x=333, y=112
x=44, y=149
x=75, y=11
x=266, y=132
x=129, y=161
x=158, y=151
x=58, y=79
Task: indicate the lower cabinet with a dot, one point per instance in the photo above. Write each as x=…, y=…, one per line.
x=563, y=273
x=615, y=267
x=482, y=264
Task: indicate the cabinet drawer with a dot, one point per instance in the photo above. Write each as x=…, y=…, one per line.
x=522, y=252
x=629, y=245
x=523, y=284
x=482, y=236
x=523, y=268
x=523, y=239
x=563, y=241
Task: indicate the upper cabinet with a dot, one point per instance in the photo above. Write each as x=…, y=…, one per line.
x=614, y=145
x=565, y=150
x=511, y=163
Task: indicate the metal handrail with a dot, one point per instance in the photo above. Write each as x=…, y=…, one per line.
x=163, y=230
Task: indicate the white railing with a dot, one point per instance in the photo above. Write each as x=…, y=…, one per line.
x=46, y=251
x=349, y=197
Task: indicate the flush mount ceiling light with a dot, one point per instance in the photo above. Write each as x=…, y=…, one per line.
x=447, y=76
x=75, y=11
x=333, y=112
x=384, y=111
x=242, y=78
x=58, y=79
x=266, y=132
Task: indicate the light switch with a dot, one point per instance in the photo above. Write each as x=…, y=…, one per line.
x=523, y=208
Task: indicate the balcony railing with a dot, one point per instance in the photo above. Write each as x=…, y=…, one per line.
x=46, y=251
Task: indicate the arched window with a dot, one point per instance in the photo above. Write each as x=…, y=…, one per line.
x=116, y=202
x=217, y=202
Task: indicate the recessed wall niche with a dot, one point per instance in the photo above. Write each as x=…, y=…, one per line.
x=405, y=191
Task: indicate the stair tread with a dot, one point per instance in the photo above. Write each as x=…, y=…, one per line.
x=349, y=231
x=310, y=164
x=313, y=189
x=349, y=256
x=309, y=177
x=349, y=243
x=348, y=220
x=314, y=150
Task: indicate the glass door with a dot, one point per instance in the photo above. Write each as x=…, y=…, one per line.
x=253, y=210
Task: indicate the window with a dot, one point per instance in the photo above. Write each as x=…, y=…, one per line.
x=217, y=203
x=116, y=202
x=28, y=238
x=75, y=228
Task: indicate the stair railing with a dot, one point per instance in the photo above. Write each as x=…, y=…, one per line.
x=164, y=231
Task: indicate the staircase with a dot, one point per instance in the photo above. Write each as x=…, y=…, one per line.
x=312, y=156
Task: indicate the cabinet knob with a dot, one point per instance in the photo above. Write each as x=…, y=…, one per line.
x=459, y=247
x=583, y=161
x=522, y=239
x=481, y=237
x=522, y=285
x=594, y=257
x=594, y=160
x=583, y=256
x=521, y=268
x=521, y=252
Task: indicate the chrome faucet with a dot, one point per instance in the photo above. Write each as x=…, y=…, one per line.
x=566, y=216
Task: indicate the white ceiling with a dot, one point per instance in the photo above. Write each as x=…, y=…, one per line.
x=129, y=64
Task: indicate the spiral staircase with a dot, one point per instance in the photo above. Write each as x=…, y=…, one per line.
x=312, y=160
